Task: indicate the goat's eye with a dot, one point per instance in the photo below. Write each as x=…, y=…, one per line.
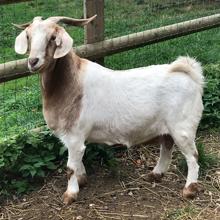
x=53, y=38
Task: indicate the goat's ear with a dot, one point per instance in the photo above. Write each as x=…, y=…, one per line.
x=21, y=43
x=64, y=43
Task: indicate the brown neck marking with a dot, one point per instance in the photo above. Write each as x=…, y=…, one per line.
x=62, y=92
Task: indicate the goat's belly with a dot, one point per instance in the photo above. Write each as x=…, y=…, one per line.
x=126, y=137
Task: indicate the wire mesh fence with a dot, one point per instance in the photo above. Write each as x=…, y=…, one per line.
x=20, y=105
x=20, y=101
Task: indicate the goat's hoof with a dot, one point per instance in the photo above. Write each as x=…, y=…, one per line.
x=191, y=191
x=69, y=198
x=155, y=177
x=82, y=180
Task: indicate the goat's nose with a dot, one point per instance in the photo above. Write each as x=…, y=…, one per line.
x=33, y=61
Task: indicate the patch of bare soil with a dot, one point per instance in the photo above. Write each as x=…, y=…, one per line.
x=126, y=195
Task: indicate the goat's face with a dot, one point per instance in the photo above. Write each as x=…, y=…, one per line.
x=45, y=41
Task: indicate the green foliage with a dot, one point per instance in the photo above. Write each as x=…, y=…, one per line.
x=187, y=212
x=29, y=156
x=211, y=99
x=26, y=156
x=20, y=106
x=100, y=154
x=206, y=160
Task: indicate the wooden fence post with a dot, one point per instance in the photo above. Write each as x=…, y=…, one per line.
x=94, y=31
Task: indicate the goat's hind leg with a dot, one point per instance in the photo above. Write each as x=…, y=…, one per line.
x=166, y=149
x=185, y=141
x=76, y=173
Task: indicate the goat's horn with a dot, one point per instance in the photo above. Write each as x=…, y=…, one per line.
x=72, y=21
x=22, y=26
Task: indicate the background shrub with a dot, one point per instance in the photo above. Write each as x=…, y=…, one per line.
x=211, y=98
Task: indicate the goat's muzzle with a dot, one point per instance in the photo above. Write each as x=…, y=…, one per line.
x=33, y=64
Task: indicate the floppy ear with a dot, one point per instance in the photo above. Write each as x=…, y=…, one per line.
x=21, y=43
x=64, y=43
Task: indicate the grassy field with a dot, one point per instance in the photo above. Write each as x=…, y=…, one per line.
x=20, y=105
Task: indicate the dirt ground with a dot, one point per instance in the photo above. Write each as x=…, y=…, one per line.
x=126, y=194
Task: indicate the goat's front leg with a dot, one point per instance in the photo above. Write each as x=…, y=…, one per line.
x=76, y=173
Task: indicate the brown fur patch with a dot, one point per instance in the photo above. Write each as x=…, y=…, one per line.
x=62, y=92
x=196, y=156
x=155, y=177
x=191, y=191
x=69, y=173
x=69, y=198
x=82, y=180
x=152, y=141
x=180, y=67
x=167, y=141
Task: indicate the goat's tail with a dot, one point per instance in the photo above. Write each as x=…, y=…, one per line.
x=189, y=66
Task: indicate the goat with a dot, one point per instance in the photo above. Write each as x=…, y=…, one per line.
x=84, y=101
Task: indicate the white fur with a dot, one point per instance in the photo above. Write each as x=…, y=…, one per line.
x=133, y=106
x=73, y=187
x=164, y=160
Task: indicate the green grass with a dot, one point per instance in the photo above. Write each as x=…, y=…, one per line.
x=20, y=105
x=24, y=12
x=183, y=213
x=123, y=18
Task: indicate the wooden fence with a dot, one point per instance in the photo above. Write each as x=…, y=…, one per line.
x=96, y=48
x=4, y=2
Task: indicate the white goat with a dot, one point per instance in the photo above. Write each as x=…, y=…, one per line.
x=85, y=101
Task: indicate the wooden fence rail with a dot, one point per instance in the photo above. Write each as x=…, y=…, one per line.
x=5, y=2
x=18, y=68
